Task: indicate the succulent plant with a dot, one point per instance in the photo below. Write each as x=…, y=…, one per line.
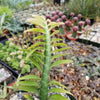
x=57, y=12
x=54, y=13
x=87, y=21
x=80, y=24
x=68, y=24
x=60, y=14
x=63, y=17
x=79, y=16
x=75, y=29
x=56, y=17
x=72, y=14
x=75, y=19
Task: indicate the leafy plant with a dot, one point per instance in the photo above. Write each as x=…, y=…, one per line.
x=4, y=91
x=16, y=4
x=2, y=20
x=7, y=11
x=43, y=49
x=15, y=57
x=23, y=4
x=13, y=25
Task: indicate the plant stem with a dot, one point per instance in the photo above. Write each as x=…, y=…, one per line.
x=46, y=67
x=74, y=34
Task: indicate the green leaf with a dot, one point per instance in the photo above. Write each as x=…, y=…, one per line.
x=58, y=90
x=2, y=19
x=38, y=17
x=58, y=55
x=39, y=37
x=37, y=44
x=36, y=64
x=59, y=44
x=37, y=22
x=55, y=32
x=61, y=62
x=55, y=39
x=38, y=58
x=39, y=54
x=28, y=97
x=56, y=83
x=57, y=97
x=28, y=83
x=54, y=24
x=35, y=30
x=28, y=89
x=32, y=51
x=29, y=77
x=62, y=49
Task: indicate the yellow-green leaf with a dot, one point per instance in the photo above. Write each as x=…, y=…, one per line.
x=56, y=83
x=36, y=64
x=61, y=62
x=62, y=49
x=54, y=24
x=55, y=32
x=29, y=77
x=59, y=44
x=58, y=55
x=39, y=17
x=57, y=97
x=28, y=97
x=36, y=22
x=28, y=89
x=37, y=44
x=39, y=53
x=59, y=90
x=39, y=37
x=29, y=83
x=32, y=51
x=35, y=30
x=55, y=40
x=39, y=60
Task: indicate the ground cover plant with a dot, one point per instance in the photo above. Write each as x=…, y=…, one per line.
x=15, y=57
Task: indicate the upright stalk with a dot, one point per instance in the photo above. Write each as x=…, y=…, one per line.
x=46, y=67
